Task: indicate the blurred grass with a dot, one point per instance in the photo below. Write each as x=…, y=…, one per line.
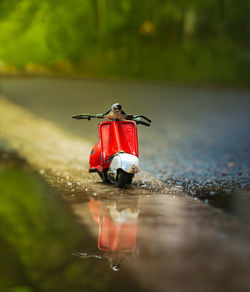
x=196, y=42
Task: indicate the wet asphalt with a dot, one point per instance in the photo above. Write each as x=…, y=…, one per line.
x=119, y=240
x=199, y=139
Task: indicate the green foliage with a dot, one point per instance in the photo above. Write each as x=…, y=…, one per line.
x=91, y=37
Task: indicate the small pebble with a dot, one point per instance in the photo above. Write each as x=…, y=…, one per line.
x=231, y=164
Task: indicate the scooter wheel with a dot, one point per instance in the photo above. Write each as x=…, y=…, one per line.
x=123, y=179
x=103, y=175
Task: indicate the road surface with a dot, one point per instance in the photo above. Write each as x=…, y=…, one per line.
x=182, y=244
x=199, y=138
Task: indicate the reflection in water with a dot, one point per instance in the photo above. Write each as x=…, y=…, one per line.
x=117, y=222
x=37, y=235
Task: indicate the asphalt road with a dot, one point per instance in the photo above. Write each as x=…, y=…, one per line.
x=183, y=243
x=199, y=138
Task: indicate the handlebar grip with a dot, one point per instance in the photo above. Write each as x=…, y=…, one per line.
x=143, y=123
x=147, y=119
x=143, y=117
x=81, y=117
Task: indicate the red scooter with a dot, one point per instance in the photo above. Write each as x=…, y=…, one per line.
x=115, y=156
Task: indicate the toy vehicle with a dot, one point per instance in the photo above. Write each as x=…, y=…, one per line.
x=115, y=156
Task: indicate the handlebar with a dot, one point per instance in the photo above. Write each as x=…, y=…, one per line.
x=137, y=118
x=143, y=123
x=143, y=117
x=83, y=117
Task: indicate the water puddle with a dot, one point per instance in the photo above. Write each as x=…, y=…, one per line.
x=39, y=233
x=111, y=242
x=162, y=239
x=117, y=222
x=236, y=204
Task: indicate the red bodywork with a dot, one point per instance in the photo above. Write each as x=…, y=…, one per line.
x=113, y=236
x=114, y=137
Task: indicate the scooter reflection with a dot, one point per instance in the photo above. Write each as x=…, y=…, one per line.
x=117, y=220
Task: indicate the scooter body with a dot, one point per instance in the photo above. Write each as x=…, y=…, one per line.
x=115, y=156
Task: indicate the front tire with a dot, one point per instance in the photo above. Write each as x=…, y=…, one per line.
x=123, y=179
x=104, y=176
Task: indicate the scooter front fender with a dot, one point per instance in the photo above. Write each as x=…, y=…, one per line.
x=126, y=162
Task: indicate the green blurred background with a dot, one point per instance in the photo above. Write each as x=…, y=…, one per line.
x=198, y=42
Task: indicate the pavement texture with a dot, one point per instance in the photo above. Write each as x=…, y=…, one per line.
x=184, y=244
x=199, y=140
x=60, y=157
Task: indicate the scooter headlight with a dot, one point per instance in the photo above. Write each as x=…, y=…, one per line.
x=116, y=107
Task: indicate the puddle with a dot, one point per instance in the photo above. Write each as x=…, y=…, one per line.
x=117, y=222
x=38, y=234
x=114, y=241
x=236, y=204
x=165, y=240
